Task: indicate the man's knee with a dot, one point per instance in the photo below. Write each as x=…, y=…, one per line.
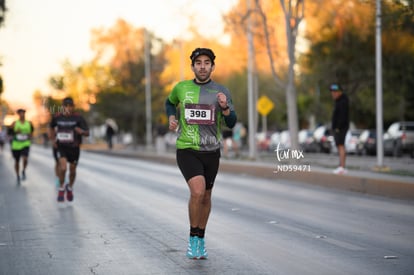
x=197, y=187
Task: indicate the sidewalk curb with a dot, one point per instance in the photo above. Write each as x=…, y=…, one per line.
x=366, y=185
x=391, y=187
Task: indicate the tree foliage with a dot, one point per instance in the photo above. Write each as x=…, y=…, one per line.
x=121, y=48
x=336, y=44
x=342, y=49
x=3, y=10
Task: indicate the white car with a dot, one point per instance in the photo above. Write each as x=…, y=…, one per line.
x=351, y=141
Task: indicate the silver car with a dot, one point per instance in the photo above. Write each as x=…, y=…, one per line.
x=399, y=139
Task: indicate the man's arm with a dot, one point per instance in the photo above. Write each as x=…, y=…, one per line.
x=170, y=108
x=10, y=130
x=230, y=119
x=52, y=131
x=83, y=128
x=31, y=129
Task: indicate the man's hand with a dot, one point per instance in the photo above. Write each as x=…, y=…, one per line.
x=222, y=101
x=173, y=123
x=79, y=131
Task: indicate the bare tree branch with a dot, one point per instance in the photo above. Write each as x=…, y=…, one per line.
x=262, y=14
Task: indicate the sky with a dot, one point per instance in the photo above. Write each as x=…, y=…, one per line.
x=38, y=36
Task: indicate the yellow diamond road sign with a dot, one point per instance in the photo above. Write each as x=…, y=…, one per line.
x=264, y=105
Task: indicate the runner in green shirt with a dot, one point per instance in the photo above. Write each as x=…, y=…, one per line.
x=204, y=106
x=22, y=131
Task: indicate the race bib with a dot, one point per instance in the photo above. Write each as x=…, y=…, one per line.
x=65, y=136
x=22, y=137
x=199, y=114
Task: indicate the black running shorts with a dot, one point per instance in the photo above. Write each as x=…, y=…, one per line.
x=71, y=154
x=339, y=136
x=21, y=153
x=195, y=163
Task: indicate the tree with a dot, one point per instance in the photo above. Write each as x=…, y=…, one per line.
x=3, y=10
x=2, y=18
x=342, y=49
x=1, y=85
x=293, y=14
x=121, y=49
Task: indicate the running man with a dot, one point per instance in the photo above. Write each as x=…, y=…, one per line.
x=22, y=132
x=66, y=132
x=204, y=106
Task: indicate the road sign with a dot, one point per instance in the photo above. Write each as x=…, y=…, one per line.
x=264, y=105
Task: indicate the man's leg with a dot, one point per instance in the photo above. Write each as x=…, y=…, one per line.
x=342, y=155
x=197, y=187
x=17, y=166
x=72, y=174
x=205, y=209
x=62, y=171
x=25, y=162
x=195, y=212
x=57, y=169
x=16, y=155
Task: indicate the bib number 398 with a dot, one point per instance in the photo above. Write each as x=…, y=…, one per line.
x=199, y=114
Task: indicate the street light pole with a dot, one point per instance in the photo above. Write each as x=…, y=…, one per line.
x=148, y=90
x=378, y=87
x=251, y=99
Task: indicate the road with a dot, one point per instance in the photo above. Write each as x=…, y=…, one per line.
x=130, y=217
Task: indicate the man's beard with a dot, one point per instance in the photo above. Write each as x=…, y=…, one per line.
x=203, y=78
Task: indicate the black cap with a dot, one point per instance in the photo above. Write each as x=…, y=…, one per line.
x=21, y=111
x=67, y=101
x=202, y=51
x=335, y=88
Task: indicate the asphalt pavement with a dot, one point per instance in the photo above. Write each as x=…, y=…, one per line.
x=394, y=179
x=130, y=216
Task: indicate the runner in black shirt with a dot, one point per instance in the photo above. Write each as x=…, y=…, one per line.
x=66, y=131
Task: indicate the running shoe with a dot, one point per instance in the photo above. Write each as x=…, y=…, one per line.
x=23, y=175
x=69, y=193
x=202, y=252
x=192, y=249
x=61, y=195
x=340, y=171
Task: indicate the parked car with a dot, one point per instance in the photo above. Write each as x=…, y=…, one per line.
x=351, y=141
x=307, y=141
x=274, y=141
x=399, y=139
x=367, y=142
x=283, y=140
x=323, y=138
x=263, y=141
